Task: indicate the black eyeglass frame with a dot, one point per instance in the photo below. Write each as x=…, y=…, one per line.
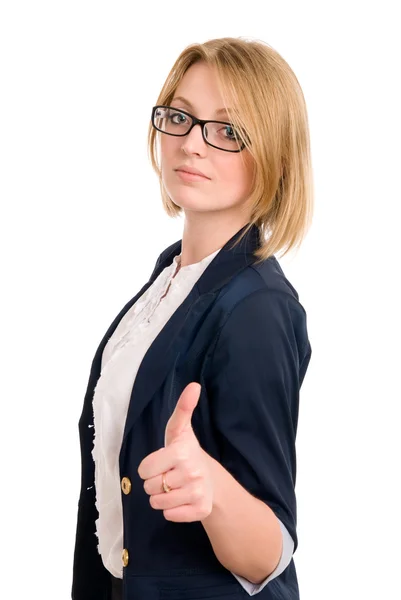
x=195, y=121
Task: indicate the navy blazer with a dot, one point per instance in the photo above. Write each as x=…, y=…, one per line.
x=241, y=333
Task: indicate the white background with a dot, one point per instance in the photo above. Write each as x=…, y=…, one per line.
x=82, y=226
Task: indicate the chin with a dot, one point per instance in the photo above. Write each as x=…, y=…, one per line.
x=189, y=198
x=193, y=206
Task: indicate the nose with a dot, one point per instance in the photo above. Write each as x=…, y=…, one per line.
x=193, y=142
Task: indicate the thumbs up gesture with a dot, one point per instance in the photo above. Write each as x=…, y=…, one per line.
x=185, y=465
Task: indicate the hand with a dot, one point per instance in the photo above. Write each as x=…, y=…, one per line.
x=187, y=465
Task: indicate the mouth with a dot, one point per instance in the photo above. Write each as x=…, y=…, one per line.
x=186, y=176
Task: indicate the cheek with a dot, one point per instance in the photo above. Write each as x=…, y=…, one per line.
x=164, y=153
x=169, y=148
x=233, y=173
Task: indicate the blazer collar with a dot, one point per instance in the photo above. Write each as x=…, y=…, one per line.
x=227, y=262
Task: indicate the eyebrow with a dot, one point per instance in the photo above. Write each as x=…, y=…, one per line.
x=187, y=102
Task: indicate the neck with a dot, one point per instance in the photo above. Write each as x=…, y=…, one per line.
x=203, y=237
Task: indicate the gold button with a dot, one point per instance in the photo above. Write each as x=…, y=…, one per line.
x=126, y=485
x=125, y=557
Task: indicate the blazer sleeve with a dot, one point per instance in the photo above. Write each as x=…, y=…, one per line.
x=257, y=366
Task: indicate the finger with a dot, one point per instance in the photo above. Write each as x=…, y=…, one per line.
x=175, y=498
x=154, y=485
x=157, y=462
x=181, y=418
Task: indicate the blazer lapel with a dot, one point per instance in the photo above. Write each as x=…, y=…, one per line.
x=165, y=348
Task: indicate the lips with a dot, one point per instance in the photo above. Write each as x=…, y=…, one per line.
x=192, y=171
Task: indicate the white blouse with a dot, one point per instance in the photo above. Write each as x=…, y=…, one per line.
x=121, y=358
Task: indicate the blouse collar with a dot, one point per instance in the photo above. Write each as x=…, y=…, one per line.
x=193, y=266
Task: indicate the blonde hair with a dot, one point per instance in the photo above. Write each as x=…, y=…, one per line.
x=268, y=105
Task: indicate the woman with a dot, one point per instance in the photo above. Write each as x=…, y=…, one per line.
x=189, y=420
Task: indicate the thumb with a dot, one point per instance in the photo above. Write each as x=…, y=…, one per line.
x=180, y=420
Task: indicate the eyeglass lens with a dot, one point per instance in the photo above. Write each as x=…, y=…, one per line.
x=173, y=122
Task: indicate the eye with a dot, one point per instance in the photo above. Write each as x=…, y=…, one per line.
x=231, y=134
x=181, y=118
x=229, y=129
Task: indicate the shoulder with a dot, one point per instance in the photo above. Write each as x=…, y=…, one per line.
x=262, y=287
x=272, y=277
x=260, y=308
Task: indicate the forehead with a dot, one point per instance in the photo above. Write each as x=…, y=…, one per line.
x=199, y=93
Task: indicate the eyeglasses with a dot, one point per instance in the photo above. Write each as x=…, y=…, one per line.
x=173, y=121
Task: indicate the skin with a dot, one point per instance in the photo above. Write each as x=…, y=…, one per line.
x=215, y=209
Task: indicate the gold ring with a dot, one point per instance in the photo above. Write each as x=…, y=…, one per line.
x=166, y=487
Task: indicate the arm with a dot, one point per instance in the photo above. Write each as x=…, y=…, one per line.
x=286, y=556
x=239, y=526
x=255, y=373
